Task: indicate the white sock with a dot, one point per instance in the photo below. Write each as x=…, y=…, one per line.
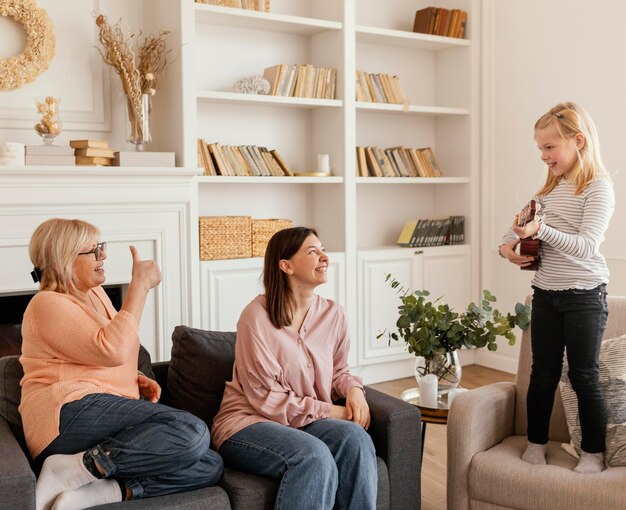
x=95, y=493
x=535, y=453
x=60, y=473
x=590, y=463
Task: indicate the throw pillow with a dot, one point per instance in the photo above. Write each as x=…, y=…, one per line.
x=613, y=381
x=201, y=363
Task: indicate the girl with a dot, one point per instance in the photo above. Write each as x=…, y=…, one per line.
x=277, y=418
x=569, y=300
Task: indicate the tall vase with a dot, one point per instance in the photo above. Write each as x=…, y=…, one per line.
x=138, y=110
x=446, y=367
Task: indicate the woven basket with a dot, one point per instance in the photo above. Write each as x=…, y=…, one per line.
x=225, y=237
x=263, y=230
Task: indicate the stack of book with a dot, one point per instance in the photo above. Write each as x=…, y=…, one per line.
x=301, y=81
x=433, y=232
x=379, y=88
x=253, y=5
x=92, y=152
x=440, y=21
x=49, y=155
x=397, y=162
x=242, y=160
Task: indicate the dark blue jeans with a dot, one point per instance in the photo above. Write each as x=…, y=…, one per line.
x=572, y=320
x=151, y=448
x=325, y=460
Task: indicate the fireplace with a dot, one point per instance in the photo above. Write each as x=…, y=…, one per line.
x=12, y=309
x=152, y=209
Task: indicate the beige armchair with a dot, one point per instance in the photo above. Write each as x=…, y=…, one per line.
x=487, y=436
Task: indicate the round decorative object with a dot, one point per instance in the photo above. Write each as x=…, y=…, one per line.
x=446, y=367
x=21, y=69
x=252, y=85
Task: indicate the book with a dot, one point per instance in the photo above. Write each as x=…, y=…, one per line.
x=361, y=162
x=93, y=161
x=404, y=239
x=43, y=160
x=273, y=76
x=424, y=20
x=49, y=150
x=92, y=151
x=144, y=159
x=281, y=163
x=82, y=144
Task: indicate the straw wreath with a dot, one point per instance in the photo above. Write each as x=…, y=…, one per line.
x=21, y=69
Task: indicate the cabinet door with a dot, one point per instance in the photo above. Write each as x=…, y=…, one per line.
x=378, y=302
x=227, y=286
x=447, y=275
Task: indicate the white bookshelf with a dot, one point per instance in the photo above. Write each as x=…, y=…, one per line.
x=352, y=214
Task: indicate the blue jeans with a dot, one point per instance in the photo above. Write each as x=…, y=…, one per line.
x=150, y=448
x=324, y=460
x=574, y=320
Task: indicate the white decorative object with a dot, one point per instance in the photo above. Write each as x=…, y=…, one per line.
x=428, y=391
x=252, y=85
x=12, y=154
x=323, y=163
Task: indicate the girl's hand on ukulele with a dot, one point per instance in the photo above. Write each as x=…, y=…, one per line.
x=509, y=253
x=530, y=229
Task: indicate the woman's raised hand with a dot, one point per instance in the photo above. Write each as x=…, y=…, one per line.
x=145, y=272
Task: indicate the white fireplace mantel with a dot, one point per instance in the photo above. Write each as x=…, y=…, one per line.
x=154, y=209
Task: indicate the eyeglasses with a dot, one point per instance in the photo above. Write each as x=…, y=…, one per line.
x=97, y=251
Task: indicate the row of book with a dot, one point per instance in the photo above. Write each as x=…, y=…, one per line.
x=242, y=160
x=397, y=162
x=433, y=232
x=379, y=88
x=440, y=21
x=253, y=5
x=301, y=80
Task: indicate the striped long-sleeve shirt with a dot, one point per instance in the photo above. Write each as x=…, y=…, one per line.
x=571, y=232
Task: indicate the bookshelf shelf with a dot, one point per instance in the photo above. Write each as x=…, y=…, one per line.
x=413, y=180
x=237, y=98
x=255, y=20
x=374, y=35
x=412, y=109
x=210, y=179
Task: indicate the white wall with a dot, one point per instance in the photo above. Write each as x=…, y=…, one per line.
x=536, y=54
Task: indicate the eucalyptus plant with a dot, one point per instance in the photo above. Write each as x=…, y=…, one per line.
x=431, y=327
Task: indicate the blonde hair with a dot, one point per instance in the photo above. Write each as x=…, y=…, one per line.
x=53, y=249
x=570, y=119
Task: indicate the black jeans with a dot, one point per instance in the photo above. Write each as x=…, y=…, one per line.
x=574, y=320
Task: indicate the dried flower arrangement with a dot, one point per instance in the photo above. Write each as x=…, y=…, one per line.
x=21, y=69
x=138, y=65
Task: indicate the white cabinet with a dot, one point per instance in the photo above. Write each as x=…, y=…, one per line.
x=227, y=286
x=440, y=270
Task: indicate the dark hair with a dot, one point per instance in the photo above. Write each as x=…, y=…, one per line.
x=284, y=244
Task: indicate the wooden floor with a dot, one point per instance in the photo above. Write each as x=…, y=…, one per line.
x=435, y=451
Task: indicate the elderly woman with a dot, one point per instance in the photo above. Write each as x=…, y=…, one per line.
x=84, y=421
x=278, y=418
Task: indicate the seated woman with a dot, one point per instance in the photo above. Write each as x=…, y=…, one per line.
x=277, y=418
x=83, y=417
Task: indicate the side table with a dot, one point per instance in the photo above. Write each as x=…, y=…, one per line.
x=429, y=414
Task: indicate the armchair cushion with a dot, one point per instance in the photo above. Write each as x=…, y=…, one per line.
x=613, y=381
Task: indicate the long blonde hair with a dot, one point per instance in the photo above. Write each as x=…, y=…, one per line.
x=570, y=119
x=53, y=248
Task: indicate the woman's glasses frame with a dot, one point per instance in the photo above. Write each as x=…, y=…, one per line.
x=97, y=251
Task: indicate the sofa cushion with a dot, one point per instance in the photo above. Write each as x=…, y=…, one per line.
x=613, y=381
x=201, y=363
x=528, y=486
x=11, y=374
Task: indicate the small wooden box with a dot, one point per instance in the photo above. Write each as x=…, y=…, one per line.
x=262, y=232
x=225, y=237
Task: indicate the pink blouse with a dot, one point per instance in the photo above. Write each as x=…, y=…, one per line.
x=283, y=375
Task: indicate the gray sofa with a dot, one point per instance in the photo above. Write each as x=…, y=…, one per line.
x=193, y=380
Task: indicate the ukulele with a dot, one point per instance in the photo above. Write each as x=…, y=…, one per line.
x=529, y=246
